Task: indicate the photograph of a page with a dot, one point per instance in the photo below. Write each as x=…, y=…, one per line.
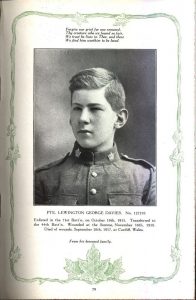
x=99, y=144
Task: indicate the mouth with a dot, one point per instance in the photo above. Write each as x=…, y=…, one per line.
x=84, y=131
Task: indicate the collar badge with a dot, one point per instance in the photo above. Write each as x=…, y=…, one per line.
x=77, y=153
x=111, y=156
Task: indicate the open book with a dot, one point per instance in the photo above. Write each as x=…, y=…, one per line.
x=97, y=150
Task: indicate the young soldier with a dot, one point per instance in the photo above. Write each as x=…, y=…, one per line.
x=94, y=173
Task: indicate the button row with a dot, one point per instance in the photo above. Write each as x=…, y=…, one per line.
x=93, y=191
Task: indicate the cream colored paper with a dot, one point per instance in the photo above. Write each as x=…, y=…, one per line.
x=157, y=263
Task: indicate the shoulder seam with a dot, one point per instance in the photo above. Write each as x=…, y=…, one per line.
x=52, y=164
x=143, y=162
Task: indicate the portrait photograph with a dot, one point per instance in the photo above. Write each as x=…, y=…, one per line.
x=95, y=127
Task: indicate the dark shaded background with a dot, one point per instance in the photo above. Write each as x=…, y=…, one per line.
x=53, y=68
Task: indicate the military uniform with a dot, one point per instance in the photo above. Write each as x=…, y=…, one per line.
x=100, y=178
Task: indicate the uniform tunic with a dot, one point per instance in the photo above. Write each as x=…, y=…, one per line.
x=96, y=178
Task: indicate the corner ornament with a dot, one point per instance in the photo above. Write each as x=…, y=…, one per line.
x=93, y=270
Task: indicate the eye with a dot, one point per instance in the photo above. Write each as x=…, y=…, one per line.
x=76, y=108
x=96, y=108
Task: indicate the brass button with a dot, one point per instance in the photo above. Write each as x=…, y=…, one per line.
x=94, y=174
x=93, y=191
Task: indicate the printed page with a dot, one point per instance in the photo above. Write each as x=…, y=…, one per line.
x=97, y=188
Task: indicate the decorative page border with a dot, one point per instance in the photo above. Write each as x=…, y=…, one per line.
x=93, y=270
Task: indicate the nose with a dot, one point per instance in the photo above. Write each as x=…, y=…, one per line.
x=84, y=116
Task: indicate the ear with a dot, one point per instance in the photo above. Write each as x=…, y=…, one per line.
x=122, y=117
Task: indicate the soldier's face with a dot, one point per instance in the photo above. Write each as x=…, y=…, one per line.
x=92, y=119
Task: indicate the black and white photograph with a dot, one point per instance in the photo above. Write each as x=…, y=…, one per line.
x=95, y=127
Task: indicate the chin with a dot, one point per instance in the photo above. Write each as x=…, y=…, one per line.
x=87, y=145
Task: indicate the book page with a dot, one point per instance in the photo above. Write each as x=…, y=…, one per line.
x=93, y=235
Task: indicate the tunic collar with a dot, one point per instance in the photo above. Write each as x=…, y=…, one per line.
x=98, y=158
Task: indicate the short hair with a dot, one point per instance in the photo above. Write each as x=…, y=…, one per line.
x=96, y=78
